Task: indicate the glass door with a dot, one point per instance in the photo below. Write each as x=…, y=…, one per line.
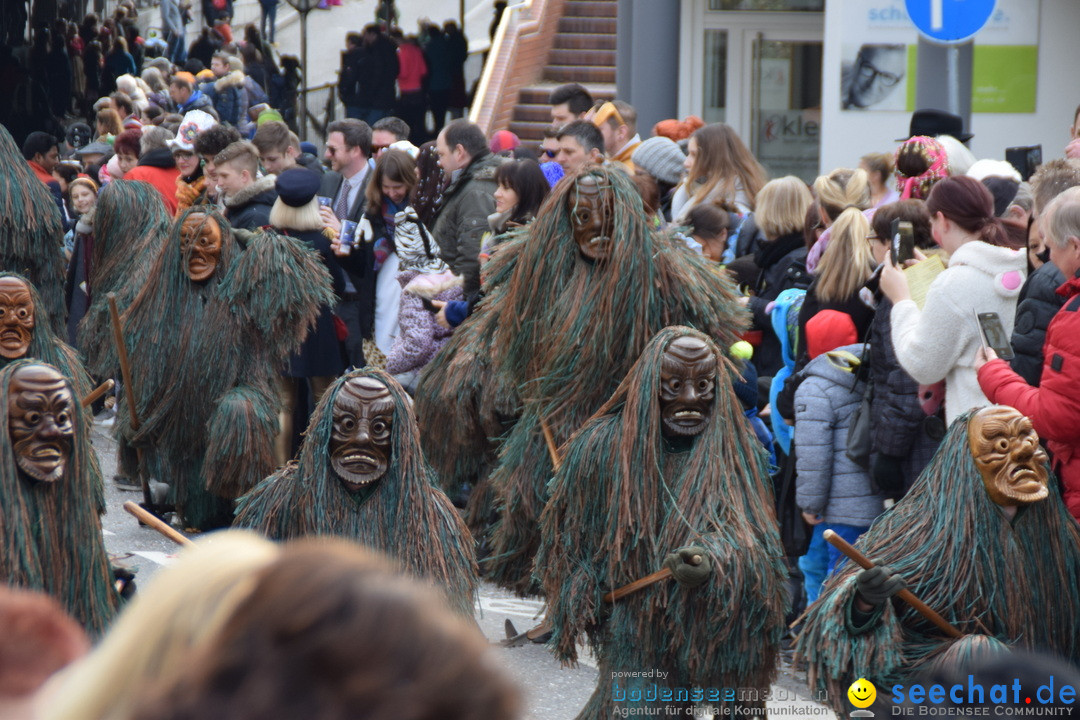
x=785, y=104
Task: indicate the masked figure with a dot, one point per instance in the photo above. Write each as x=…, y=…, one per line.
x=131, y=224
x=206, y=336
x=571, y=301
x=49, y=530
x=362, y=475
x=982, y=538
x=31, y=234
x=666, y=473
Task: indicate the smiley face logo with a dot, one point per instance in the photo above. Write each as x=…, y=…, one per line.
x=862, y=693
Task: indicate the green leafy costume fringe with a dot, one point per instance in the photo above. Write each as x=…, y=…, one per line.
x=50, y=534
x=562, y=331
x=623, y=499
x=204, y=357
x=131, y=224
x=31, y=232
x=404, y=514
x=960, y=555
x=48, y=347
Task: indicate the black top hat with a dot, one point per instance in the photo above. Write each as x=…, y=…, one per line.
x=932, y=123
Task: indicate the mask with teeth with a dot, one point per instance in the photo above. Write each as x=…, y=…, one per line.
x=40, y=422
x=687, y=387
x=591, y=212
x=1007, y=454
x=16, y=318
x=360, y=443
x=200, y=241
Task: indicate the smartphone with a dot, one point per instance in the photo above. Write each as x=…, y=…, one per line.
x=993, y=335
x=902, y=248
x=1025, y=159
x=429, y=306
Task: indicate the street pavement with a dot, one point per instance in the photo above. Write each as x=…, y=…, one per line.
x=552, y=692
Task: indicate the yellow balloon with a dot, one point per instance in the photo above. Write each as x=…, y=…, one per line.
x=862, y=693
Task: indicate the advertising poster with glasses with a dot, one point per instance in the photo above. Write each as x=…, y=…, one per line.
x=880, y=55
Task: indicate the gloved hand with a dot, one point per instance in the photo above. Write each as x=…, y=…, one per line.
x=878, y=584
x=887, y=474
x=123, y=581
x=685, y=570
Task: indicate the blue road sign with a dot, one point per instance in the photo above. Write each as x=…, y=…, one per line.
x=950, y=21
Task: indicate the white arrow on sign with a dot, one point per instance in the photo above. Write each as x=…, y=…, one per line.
x=937, y=14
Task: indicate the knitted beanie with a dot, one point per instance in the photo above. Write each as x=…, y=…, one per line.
x=661, y=158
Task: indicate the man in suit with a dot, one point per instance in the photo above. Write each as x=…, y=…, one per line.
x=348, y=149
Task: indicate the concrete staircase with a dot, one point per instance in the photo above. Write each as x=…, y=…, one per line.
x=583, y=51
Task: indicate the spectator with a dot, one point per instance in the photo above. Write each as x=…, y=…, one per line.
x=440, y=668
x=840, y=189
x=121, y=102
x=412, y=71
x=710, y=227
x=938, y=341
x=118, y=62
x=580, y=143
x=127, y=151
x=440, y=79
x=352, y=67
x=208, y=144
x=187, y=97
x=268, y=20
x=879, y=171
x=1052, y=407
x=467, y=202
x=386, y=132
x=226, y=91
x=433, y=182
x=159, y=90
x=156, y=165
x=191, y=184
x=248, y=198
x=348, y=148
x=618, y=124
x=42, y=153
x=204, y=46
x=569, y=102
x=378, y=80
x=279, y=149
x=457, y=50
x=718, y=167
x=83, y=195
x=662, y=159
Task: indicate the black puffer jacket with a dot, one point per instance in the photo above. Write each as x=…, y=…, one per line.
x=782, y=265
x=1038, y=304
x=250, y=208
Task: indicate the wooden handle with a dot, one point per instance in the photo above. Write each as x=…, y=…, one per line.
x=97, y=392
x=125, y=364
x=906, y=595
x=553, y=449
x=154, y=522
x=662, y=574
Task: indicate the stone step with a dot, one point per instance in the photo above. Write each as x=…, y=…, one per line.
x=585, y=58
x=579, y=74
x=593, y=8
x=538, y=94
x=584, y=41
x=537, y=112
x=595, y=25
x=528, y=131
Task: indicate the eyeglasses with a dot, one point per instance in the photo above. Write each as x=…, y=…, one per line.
x=550, y=153
x=375, y=149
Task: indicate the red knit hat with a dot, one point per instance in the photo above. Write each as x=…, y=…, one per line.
x=828, y=330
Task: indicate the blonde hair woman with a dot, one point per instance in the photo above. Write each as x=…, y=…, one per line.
x=841, y=189
x=846, y=265
x=719, y=167
x=184, y=607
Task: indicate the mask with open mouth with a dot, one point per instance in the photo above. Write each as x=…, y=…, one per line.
x=687, y=387
x=200, y=242
x=40, y=421
x=591, y=211
x=360, y=443
x=16, y=318
x=1007, y=453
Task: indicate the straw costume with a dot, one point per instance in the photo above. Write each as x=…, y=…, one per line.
x=667, y=468
x=207, y=335
x=362, y=475
x=49, y=530
x=952, y=542
x=31, y=232
x=571, y=303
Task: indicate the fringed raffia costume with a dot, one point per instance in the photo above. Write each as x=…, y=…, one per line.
x=403, y=513
x=31, y=232
x=991, y=578
x=204, y=355
x=558, y=330
x=626, y=496
x=50, y=534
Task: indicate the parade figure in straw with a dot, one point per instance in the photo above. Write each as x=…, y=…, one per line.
x=207, y=335
x=667, y=474
x=31, y=231
x=362, y=475
x=982, y=539
x=50, y=535
x=130, y=226
x=569, y=309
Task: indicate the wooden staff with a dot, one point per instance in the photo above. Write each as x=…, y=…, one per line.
x=906, y=595
x=129, y=391
x=156, y=523
x=97, y=392
x=662, y=574
x=553, y=449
